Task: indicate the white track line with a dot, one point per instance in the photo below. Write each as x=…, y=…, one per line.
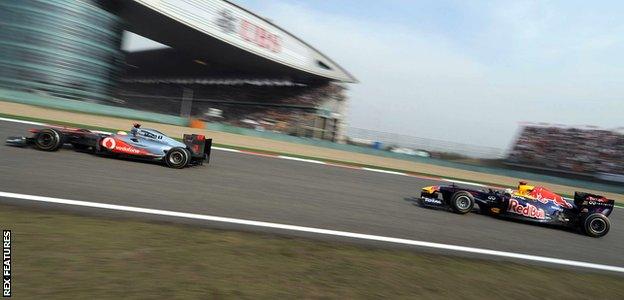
x=384, y=171
x=226, y=149
x=23, y=122
x=301, y=160
x=480, y=251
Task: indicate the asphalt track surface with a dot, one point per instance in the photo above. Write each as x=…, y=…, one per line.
x=267, y=189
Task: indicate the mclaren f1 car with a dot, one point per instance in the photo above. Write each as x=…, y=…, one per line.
x=140, y=143
x=587, y=212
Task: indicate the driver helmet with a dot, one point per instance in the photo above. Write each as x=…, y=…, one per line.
x=524, y=188
x=135, y=128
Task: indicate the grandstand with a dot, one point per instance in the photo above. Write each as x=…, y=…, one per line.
x=575, y=150
x=166, y=81
x=222, y=62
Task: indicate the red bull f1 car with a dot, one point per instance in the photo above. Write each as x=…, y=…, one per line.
x=588, y=212
x=140, y=143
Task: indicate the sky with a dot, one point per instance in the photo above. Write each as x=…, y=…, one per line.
x=468, y=71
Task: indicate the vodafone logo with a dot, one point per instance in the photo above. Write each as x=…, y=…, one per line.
x=128, y=150
x=119, y=146
x=109, y=143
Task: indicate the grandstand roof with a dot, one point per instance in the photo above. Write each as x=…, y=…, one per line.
x=224, y=33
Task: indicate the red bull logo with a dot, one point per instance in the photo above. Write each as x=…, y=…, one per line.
x=543, y=195
x=527, y=210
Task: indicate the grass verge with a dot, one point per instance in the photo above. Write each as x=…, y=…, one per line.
x=69, y=124
x=57, y=255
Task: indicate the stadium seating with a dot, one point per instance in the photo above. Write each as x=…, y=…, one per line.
x=579, y=150
x=261, y=104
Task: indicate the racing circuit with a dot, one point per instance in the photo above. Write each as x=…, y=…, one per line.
x=244, y=186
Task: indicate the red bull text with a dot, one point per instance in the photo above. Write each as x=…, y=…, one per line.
x=527, y=210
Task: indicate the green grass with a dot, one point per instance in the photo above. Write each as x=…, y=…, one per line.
x=268, y=152
x=59, y=255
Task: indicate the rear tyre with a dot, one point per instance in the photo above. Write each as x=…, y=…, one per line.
x=462, y=202
x=177, y=158
x=596, y=225
x=48, y=139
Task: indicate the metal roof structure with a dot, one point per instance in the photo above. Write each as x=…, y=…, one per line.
x=225, y=33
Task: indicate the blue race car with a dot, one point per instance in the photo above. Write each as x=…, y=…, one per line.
x=588, y=212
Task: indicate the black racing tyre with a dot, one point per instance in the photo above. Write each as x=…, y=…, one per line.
x=48, y=139
x=177, y=158
x=462, y=202
x=596, y=225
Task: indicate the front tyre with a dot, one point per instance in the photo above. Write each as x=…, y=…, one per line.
x=177, y=158
x=462, y=202
x=596, y=225
x=48, y=139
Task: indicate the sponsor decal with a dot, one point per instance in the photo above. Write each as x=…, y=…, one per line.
x=248, y=31
x=119, y=146
x=432, y=201
x=226, y=21
x=109, y=143
x=6, y=263
x=527, y=210
x=598, y=203
x=495, y=210
x=544, y=196
x=127, y=149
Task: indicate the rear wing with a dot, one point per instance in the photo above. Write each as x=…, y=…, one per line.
x=593, y=203
x=199, y=146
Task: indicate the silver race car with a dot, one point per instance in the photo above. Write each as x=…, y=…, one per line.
x=140, y=143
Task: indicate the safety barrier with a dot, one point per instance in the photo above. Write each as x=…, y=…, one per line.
x=88, y=107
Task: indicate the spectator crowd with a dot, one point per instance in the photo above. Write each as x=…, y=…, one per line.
x=278, y=106
x=579, y=150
